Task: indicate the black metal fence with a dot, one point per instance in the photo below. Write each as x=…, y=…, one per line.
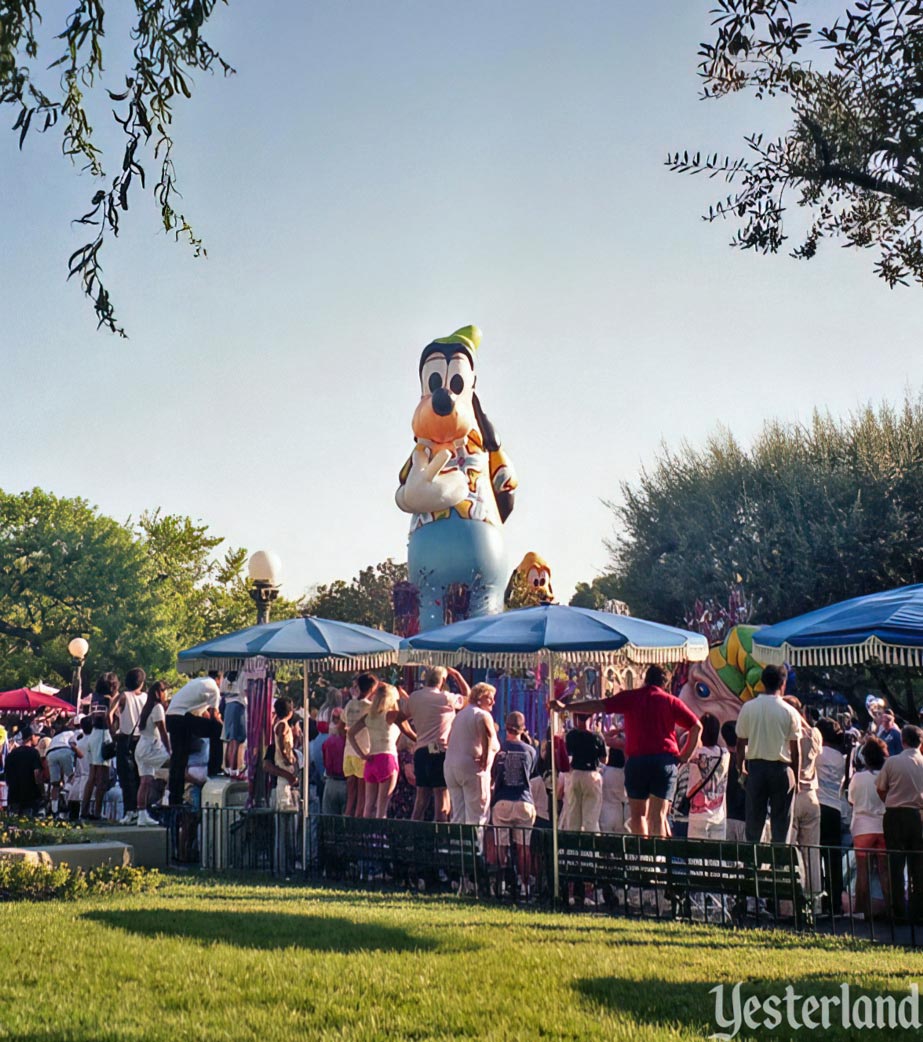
x=709, y=881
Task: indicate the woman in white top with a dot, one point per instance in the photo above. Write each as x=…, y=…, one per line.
x=383, y=722
x=468, y=759
x=867, y=824
x=708, y=776
x=153, y=746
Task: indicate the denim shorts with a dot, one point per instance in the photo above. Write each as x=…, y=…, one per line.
x=651, y=775
x=235, y=722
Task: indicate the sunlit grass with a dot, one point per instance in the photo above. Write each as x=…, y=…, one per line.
x=214, y=961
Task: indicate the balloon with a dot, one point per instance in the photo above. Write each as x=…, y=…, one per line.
x=458, y=485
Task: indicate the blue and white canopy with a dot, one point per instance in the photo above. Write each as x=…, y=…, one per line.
x=514, y=639
x=887, y=626
x=319, y=643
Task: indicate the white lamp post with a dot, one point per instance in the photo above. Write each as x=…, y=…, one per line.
x=265, y=570
x=77, y=649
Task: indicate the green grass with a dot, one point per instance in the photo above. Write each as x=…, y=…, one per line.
x=203, y=960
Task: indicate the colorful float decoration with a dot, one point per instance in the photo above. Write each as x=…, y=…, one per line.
x=530, y=583
x=729, y=677
x=458, y=486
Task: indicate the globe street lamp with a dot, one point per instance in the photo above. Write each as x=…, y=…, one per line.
x=264, y=569
x=77, y=649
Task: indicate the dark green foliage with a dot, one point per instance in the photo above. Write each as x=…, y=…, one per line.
x=366, y=599
x=853, y=157
x=164, y=46
x=808, y=516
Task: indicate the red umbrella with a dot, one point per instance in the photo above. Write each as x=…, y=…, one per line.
x=22, y=700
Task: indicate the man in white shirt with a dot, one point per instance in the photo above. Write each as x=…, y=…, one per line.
x=768, y=735
x=127, y=710
x=193, y=713
x=431, y=709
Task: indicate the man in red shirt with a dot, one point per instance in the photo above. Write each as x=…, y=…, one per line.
x=651, y=750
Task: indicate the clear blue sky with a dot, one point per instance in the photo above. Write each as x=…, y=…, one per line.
x=376, y=175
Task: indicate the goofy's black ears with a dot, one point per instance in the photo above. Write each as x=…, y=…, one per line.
x=488, y=432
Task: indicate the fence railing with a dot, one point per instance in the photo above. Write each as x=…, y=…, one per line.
x=710, y=881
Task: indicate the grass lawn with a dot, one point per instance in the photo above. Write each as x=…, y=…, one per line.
x=202, y=960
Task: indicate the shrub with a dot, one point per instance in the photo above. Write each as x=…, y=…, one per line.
x=27, y=832
x=24, y=881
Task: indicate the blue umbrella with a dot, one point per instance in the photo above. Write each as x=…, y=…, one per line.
x=514, y=639
x=319, y=643
x=553, y=633
x=316, y=643
x=887, y=626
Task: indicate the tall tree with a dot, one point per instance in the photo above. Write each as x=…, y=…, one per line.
x=139, y=592
x=164, y=45
x=853, y=156
x=65, y=571
x=807, y=516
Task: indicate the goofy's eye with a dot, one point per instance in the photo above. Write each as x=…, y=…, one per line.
x=460, y=374
x=433, y=374
x=702, y=690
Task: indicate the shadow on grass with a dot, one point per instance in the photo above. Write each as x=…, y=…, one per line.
x=272, y=930
x=694, y=1007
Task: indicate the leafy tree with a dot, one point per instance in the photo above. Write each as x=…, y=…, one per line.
x=202, y=595
x=66, y=570
x=366, y=599
x=853, y=157
x=807, y=516
x=165, y=43
x=595, y=594
x=139, y=593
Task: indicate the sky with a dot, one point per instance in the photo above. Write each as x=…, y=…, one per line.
x=373, y=177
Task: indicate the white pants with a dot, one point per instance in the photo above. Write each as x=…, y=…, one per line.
x=805, y=833
x=469, y=793
x=701, y=828
x=583, y=799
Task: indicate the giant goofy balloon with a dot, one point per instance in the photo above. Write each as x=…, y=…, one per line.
x=458, y=484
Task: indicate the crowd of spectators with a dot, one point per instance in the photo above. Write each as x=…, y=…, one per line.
x=637, y=762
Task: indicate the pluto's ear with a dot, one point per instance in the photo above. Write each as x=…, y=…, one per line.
x=489, y=434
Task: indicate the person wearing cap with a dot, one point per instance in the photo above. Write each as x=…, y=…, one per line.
x=25, y=788
x=334, y=801
x=512, y=800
